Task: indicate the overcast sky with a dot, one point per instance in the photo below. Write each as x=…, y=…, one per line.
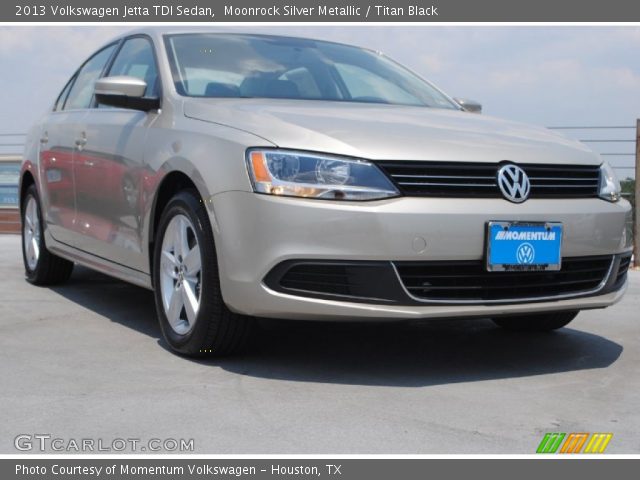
x=543, y=75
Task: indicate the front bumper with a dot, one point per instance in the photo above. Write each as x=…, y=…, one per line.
x=256, y=233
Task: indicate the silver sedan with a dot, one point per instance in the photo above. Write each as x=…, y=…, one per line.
x=243, y=176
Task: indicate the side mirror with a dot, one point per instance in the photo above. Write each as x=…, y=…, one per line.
x=469, y=105
x=125, y=92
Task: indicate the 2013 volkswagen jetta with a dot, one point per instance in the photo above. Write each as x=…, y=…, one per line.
x=242, y=176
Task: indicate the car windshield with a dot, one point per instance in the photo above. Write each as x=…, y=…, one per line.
x=260, y=66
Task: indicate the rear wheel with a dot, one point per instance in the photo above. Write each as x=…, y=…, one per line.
x=193, y=317
x=541, y=322
x=41, y=266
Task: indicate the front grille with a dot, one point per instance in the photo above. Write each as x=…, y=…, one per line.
x=469, y=281
x=467, y=179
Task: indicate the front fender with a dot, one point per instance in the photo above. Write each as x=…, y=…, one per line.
x=211, y=156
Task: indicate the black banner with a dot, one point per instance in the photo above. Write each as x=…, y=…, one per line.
x=433, y=11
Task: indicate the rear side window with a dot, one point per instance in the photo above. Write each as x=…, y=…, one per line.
x=136, y=59
x=81, y=93
x=63, y=96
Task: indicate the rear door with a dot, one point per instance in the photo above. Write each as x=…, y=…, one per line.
x=110, y=169
x=59, y=143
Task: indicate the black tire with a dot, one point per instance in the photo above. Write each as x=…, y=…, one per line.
x=49, y=269
x=217, y=331
x=542, y=322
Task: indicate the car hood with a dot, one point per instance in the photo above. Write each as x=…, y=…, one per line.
x=390, y=132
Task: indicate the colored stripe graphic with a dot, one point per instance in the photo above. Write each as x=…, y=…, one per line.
x=550, y=442
x=574, y=442
x=598, y=443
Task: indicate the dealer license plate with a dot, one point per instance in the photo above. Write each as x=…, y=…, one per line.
x=521, y=246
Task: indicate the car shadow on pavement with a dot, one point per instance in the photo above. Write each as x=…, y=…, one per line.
x=409, y=354
x=116, y=300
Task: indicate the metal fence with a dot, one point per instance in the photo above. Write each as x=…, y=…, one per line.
x=616, y=144
x=11, y=144
x=620, y=146
x=10, y=154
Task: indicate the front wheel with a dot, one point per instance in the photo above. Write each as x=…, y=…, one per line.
x=541, y=322
x=193, y=316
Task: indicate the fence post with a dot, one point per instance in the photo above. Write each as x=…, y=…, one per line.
x=636, y=220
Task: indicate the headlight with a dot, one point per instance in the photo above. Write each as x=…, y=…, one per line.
x=310, y=175
x=609, y=184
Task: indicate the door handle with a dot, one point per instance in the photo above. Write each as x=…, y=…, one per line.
x=81, y=142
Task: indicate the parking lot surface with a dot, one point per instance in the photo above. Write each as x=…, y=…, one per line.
x=85, y=360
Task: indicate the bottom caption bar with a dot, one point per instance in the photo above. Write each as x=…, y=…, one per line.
x=365, y=468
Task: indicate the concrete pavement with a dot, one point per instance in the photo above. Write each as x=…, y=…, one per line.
x=85, y=360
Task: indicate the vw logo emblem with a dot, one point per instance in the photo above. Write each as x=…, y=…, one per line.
x=525, y=254
x=514, y=183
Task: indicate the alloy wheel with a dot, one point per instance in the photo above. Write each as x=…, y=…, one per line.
x=31, y=234
x=180, y=274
